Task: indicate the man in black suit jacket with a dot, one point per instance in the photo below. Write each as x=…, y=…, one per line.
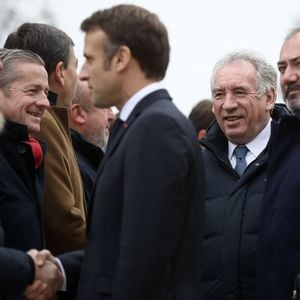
x=145, y=218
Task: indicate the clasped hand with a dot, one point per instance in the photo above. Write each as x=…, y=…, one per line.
x=48, y=276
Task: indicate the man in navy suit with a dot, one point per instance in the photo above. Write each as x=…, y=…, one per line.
x=146, y=213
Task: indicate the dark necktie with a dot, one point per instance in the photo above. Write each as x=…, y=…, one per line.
x=240, y=154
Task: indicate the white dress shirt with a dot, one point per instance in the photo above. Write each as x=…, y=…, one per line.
x=136, y=98
x=255, y=147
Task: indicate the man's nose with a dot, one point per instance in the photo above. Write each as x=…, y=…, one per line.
x=43, y=101
x=229, y=101
x=290, y=75
x=83, y=74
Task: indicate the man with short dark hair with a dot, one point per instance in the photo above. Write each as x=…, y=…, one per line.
x=289, y=69
x=64, y=205
x=278, y=249
x=146, y=214
x=202, y=116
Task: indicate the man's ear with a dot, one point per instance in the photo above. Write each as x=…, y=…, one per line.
x=271, y=99
x=58, y=75
x=122, y=58
x=78, y=114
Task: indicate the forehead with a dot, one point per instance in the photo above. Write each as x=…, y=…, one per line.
x=32, y=73
x=95, y=39
x=291, y=48
x=239, y=72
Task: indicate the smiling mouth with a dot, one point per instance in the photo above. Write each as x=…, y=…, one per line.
x=232, y=118
x=35, y=114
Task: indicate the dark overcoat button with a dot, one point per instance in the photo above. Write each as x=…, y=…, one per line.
x=21, y=148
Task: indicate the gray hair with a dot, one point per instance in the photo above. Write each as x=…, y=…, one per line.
x=10, y=59
x=291, y=33
x=266, y=75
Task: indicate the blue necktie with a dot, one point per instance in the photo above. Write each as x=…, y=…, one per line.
x=240, y=154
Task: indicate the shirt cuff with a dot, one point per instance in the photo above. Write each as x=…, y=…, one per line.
x=61, y=268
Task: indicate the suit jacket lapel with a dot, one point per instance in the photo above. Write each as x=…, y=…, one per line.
x=140, y=107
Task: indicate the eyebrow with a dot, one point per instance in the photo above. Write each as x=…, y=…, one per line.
x=235, y=87
x=284, y=62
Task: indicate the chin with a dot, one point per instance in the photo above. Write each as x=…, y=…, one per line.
x=34, y=130
x=293, y=105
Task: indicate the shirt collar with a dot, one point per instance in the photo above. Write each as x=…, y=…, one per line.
x=137, y=97
x=257, y=145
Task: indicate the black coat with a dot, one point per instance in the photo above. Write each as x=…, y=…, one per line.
x=16, y=269
x=279, y=241
x=21, y=188
x=232, y=214
x=88, y=157
x=145, y=221
x=16, y=273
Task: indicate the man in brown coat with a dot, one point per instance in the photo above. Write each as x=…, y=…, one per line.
x=63, y=203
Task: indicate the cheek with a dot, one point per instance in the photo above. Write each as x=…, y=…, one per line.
x=15, y=110
x=95, y=73
x=282, y=80
x=74, y=76
x=217, y=111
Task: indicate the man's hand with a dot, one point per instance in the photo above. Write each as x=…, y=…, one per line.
x=48, y=278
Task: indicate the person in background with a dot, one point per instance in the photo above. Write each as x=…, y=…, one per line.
x=89, y=132
x=236, y=152
x=202, y=116
x=278, y=249
x=289, y=69
x=64, y=207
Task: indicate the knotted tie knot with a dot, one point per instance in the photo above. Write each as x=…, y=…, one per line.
x=240, y=153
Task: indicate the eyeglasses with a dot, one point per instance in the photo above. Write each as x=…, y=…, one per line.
x=235, y=93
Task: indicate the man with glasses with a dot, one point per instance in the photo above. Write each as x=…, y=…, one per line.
x=236, y=155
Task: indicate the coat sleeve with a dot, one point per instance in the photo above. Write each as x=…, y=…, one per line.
x=71, y=262
x=63, y=203
x=16, y=270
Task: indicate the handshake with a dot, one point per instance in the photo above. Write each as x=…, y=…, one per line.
x=48, y=277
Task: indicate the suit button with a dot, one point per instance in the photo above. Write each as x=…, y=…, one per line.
x=21, y=148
